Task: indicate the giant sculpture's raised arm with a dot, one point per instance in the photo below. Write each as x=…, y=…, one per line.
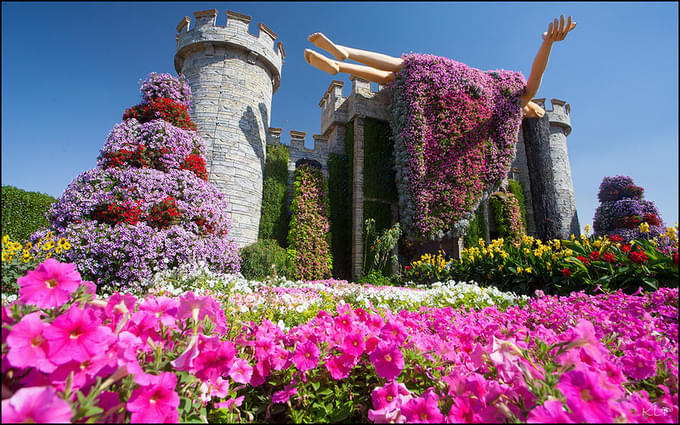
x=557, y=31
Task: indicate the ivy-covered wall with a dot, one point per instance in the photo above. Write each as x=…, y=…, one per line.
x=516, y=188
x=274, y=218
x=477, y=228
x=23, y=212
x=340, y=198
x=378, y=161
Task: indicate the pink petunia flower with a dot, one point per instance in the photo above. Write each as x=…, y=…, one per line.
x=388, y=360
x=50, y=285
x=76, y=335
x=229, y=404
x=638, y=366
x=241, y=371
x=353, y=344
x=283, y=395
x=340, y=366
x=551, y=412
x=36, y=405
x=306, y=356
x=156, y=402
x=390, y=396
x=585, y=396
x=344, y=323
x=393, y=331
x=28, y=346
x=164, y=308
x=422, y=409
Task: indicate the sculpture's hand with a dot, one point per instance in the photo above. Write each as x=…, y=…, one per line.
x=557, y=30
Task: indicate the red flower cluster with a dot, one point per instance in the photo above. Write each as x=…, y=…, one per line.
x=127, y=211
x=137, y=158
x=595, y=255
x=628, y=222
x=608, y=257
x=638, y=257
x=163, y=108
x=205, y=226
x=566, y=273
x=583, y=259
x=651, y=219
x=196, y=164
x=616, y=238
x=164, y=214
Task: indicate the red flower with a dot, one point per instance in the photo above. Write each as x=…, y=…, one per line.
x=409, y=267
x=566, y=273
x=583, y=259
x=675, y=258
x=625, y=248
x=616, y=238
x=638, y=257
x=595, y=255
x=608, y=257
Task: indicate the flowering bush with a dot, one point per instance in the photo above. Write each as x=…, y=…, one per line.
x=587, y=263
x=147, y=206
x=622, y=210
x=454, y=129
x=605, y=358
x=308, y=237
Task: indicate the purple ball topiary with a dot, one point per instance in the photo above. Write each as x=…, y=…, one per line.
x=141, y=210
x=622, y=209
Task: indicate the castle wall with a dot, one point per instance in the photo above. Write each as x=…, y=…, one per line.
x=233, y=75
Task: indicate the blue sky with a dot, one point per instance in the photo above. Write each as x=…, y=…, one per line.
x=69, y=70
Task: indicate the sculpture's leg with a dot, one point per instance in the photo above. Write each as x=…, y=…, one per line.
x=375, y=60
x=333, y=67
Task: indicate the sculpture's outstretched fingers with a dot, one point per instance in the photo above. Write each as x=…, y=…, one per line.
x=322, y=42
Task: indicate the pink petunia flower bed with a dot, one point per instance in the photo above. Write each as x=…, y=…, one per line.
x=70, y=357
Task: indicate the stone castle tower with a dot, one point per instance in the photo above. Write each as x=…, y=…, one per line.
x=233, y=75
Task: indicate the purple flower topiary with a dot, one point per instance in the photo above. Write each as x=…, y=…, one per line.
x=143, y=209
x=622, y=209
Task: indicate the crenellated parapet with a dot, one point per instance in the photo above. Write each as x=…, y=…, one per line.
x=297, y=149
x=558, y=116
x=206, y=35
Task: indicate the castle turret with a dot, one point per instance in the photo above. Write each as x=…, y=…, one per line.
x=552, y=188
x=233, y=75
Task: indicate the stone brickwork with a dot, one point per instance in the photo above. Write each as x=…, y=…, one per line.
x=551, y=186
x=233, y=75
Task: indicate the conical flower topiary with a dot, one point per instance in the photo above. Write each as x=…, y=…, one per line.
x=622, y=210
x=147, y=206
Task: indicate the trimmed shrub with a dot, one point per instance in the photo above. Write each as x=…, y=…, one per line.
x=477, y=228
x=147, y=206
x=308, y=237
x=263, y=259
x=23, y=212
x=274, y=218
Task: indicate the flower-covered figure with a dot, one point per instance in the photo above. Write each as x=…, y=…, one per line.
x=147, y=206
x=623, y=212
x=454, y=126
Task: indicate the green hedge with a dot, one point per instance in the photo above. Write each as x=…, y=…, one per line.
x=23, y=212
x=506, y=213
x=340, y=199
x=477, y=228
x=264, y=258
x=378, y=161
x=274, y=217
x=381, y=212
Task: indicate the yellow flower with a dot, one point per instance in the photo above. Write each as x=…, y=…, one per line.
x=528, y=270
x=49, y=245
x=597, y=243
x=57, y=250
x=644, y=227
x=501, y=267
x=572, y=237
x=49, y=235
x=587, y=228
x=49, y=254
x=67, y=246
x=568, y=252
x=519, y=270
x=26, y=254
x=6, y=257
x=504, y=255
x=548, y=265
x=527, y=251
x=5, y=239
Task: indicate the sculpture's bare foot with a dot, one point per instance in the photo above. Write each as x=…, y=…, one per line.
x=322, y=42
x=320, y=61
